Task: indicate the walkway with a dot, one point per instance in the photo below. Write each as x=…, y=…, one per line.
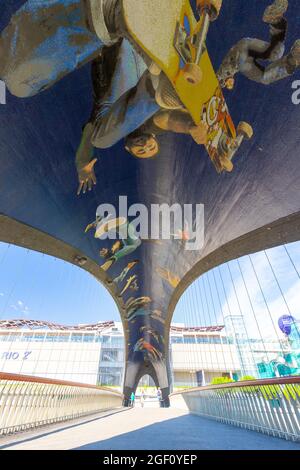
x=145, y=428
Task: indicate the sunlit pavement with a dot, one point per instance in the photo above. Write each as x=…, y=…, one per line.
x=149, y=428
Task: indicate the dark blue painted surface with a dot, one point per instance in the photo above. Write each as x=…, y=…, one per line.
x=39, y=137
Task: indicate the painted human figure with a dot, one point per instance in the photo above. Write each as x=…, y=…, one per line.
x=46, y=40
x=124, y=272
x=129, y=240
x=247, y=55
x=131, y=97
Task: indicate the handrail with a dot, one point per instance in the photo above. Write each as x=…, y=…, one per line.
x=27, y=402
x=47, y=381
x=270, y=406
x=289, y=380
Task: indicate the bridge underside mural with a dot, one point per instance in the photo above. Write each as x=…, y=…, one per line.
x=112, y=108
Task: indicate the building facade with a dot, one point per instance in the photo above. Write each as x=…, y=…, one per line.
x=94, y=354
x=52, y=351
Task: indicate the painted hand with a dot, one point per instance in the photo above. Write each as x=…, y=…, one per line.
x=199, y=133
x=89, y=226
x=104, y=252
x=86, y=177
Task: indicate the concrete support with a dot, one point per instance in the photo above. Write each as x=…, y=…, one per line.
x=157, y=370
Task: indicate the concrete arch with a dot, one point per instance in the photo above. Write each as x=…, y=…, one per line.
x=20, y=234
x=280, y=232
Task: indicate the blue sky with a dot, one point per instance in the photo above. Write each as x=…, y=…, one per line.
x=36, y=286
x=262, y=287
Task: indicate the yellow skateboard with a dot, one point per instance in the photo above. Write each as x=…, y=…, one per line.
x=174, y=40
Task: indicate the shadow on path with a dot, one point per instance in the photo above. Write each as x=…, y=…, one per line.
x=51, y=429
x=190, y=432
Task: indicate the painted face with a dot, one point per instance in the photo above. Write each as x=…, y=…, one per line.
x=230, y=83
x=144, y=146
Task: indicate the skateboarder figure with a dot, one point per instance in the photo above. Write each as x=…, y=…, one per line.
x=247, y=55
x=126, y=88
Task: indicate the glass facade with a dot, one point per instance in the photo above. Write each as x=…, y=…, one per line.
x=109, y=355
x=60, y=337
x=198, y=340
x=110, y=376
x=197, y=356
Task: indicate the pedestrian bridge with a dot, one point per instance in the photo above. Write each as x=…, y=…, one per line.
x=144, y=428
x=63, y=415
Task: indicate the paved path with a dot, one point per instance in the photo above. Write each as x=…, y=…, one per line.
x=149, y=429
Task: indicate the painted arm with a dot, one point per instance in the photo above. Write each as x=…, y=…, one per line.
x=181, y=122
x=85, y=161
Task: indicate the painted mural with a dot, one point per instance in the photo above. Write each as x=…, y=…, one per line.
x=123, y=97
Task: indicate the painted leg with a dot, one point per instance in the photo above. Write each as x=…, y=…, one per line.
x=275, y=11
x=122, y=118
x=128, y=71
x=284, y=67
x=44, y=41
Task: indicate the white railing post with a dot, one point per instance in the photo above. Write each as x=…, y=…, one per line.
x=271, y=406
x=27, y=402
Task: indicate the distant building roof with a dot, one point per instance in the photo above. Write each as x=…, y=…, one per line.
x=197, y=329
x=100, y=326
x=41, y=324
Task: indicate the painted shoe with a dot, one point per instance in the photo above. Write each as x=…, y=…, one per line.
x=165, y=95
x=295, y=52
x=274, y=12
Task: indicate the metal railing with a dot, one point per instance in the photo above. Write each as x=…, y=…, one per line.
x=270, y=406
x=27, y=402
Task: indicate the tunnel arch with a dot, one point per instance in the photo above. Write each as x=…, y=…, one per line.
x=20, y=234
x=282, y=231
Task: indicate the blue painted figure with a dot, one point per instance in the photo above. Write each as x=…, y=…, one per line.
x=126, y=106
x=48, y=39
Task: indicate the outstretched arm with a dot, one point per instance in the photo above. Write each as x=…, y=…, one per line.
x=85, y=161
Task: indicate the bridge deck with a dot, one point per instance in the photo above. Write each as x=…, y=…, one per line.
x=148, y=428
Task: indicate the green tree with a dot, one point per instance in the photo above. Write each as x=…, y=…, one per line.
x=247, y=377
x=221, y=380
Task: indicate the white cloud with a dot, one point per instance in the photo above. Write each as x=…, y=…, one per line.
x=258, y=296
x=20, y=306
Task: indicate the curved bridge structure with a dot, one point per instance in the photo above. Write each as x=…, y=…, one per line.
x=255, y=206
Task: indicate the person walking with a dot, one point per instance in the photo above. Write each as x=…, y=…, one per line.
x=132, y=399
x=142, y=399
x=159, y=396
